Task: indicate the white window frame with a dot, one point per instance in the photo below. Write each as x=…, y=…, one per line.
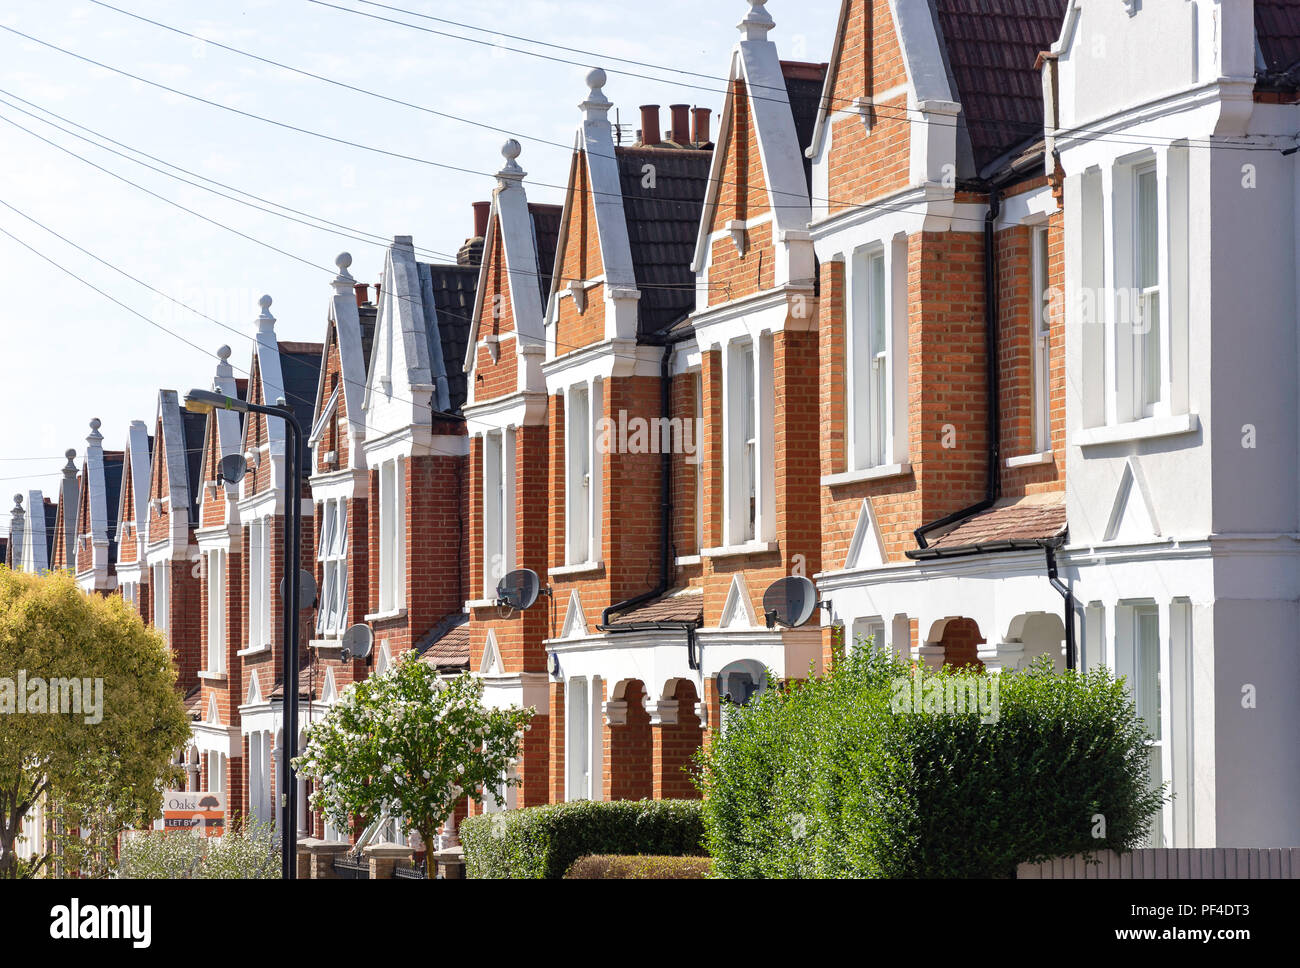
x=258, y=555
x=1146, y=665
x=392, y=536
x=869, y=626
x=577, y=752
x=159, y=575
x=216, y=771
x=1146, y=296
x=875, y=356
x=332, y=556
x=215, y=566
x=498, y=508
x=583, y=474
x=1041, y=339
x=748, y=469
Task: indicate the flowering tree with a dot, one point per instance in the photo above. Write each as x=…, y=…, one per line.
x=410, y=744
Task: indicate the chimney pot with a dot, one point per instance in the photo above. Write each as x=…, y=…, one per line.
x=362, y=290
x=701, y=135
x=681, y=120
x=650, y=124
x=481, y=212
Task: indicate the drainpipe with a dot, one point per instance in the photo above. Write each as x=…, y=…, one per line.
x=994, y=480
x=666, y=494
x=1068, y=595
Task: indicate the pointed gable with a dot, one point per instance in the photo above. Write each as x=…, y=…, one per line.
x=341, y=385
x=133, y=502
x=512, y=288
x=423, y=322
x=757, y=209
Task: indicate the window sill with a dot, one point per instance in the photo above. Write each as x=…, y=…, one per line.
x=385, y=616
x=686, y=561
x=1148, y=428
x=571, y=571
x=1031, y=460
x=327, y=643
x=878, y=473
x=213, y=676
x=255, y=650
x=748, y=548
x=481, y=603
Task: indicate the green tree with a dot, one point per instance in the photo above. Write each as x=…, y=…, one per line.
x=89, y=714
x=409, y=744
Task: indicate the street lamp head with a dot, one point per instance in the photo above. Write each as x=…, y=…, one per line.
x=206, y=401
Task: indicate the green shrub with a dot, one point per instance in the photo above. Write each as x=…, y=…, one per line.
x=605, y=867
x=543, y=842
x=836, y=777
x=243, y=853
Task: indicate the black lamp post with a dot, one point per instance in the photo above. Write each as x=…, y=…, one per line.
x=206, y=401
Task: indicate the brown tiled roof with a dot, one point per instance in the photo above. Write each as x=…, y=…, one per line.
x=446, y=645
x=1024, y=520
x=449, y=652
x=194, y=702
x=991, y=47
x=662, y=225
x=675, y=605
x=1277, y=27
x=304, y=692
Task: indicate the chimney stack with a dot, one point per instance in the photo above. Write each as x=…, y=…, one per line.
x=681, y=119
x=650, y=124
x=481, y=212
x=701, y=135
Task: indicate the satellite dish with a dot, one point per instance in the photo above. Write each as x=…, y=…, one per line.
x=306, y=590
x=233, y=468
x=519, y=589
x=357, y=642
x=789, y=602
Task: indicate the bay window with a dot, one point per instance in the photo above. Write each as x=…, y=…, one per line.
x=216, y=589
x=747, y=436
x=1040, y=349
x=875, y=343
x=332, y=554
x=582, y=474
x=258, y=562
x=1138, y=658
x=392, y=536
x=158, y=575
x=498, y=508
x=1147, y=389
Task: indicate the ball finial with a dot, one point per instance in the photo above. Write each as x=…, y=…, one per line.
x=223, y=353
x=70, y=454
x=95, y=424
x=265, y=303
x=343, y=261
x=18, y=500
x=511, y=149
x=596, y=78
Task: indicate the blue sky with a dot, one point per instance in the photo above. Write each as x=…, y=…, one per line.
x=68, y=354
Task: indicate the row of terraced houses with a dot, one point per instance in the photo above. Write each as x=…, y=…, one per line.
x=987, y=326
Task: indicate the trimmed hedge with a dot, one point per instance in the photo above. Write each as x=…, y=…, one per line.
x=604, y=867
x=843, y=777
x=544, y=842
